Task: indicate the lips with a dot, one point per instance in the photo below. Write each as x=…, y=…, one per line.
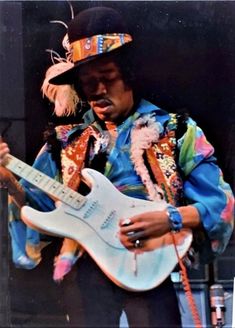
x=102, y=103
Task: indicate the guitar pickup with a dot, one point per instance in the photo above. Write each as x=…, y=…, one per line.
x=108, y=219
x=90, y=209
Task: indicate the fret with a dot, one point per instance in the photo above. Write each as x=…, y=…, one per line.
x=62, y=193
x=70, y=197
x=46, y=186
x=38, y=177
x=12, y=165
x=76, y=203
x=73, y=199
x=45, y=183
x=65, y=194
x=25, y=174
x=32, y=177
x=20, y=168
x=54, y=189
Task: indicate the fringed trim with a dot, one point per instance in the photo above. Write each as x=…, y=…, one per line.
x=145, y=132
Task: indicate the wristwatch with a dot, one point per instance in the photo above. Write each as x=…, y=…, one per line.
x=175, y=218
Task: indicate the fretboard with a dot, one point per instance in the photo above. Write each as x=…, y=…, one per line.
x=45, y=183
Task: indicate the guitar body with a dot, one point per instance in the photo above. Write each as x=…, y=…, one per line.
x=95, y=226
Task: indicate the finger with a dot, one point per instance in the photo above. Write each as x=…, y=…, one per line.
x=137, y=236
x=131, y=246
x=4, y=149
x=1, y=161
x=133, y=227
x=126, y=242
x=125, y=222
x=130, y=221
x=3, y=144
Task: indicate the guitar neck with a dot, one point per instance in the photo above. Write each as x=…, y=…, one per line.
x=45, y=183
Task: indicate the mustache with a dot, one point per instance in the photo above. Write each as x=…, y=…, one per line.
x=97, y=98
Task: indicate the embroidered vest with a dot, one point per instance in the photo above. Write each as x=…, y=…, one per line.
x=160, y=161
x=162, y=158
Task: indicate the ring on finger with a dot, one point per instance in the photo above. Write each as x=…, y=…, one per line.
x=137, y=243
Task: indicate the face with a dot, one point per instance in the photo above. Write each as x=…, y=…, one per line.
x=103, y=86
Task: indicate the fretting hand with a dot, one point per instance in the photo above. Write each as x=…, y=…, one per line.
x=8, y=180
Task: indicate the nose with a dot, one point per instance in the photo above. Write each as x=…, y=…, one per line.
x=100, y=88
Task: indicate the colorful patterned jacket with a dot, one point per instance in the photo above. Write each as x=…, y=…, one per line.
x=181, y=170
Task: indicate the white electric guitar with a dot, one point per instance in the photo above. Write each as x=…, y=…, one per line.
x=93, y=220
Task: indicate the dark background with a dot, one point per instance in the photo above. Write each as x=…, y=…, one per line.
x=185, y=59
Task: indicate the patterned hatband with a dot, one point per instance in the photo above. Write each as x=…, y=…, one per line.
x=98, y=44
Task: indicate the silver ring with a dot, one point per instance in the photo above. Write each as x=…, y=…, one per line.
x=137, y=243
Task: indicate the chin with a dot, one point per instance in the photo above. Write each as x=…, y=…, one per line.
x=106, y=116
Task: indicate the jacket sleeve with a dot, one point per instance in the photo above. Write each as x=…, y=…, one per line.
x=27, y=243
x=205, y=188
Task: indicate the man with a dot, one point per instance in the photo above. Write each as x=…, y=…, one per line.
x=146, y=153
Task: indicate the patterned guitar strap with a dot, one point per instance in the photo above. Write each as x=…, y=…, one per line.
x=73, y=156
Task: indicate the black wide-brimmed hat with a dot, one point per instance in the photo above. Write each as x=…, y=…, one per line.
x=93, y=33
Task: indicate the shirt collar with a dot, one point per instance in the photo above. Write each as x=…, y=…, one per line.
x=144, y=107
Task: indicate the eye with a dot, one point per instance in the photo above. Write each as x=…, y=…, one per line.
x=91, y=83
x=110, y=78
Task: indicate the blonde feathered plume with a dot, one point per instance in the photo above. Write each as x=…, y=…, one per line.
x=63, y=96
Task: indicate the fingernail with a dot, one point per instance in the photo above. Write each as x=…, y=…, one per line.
x=126, y=222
